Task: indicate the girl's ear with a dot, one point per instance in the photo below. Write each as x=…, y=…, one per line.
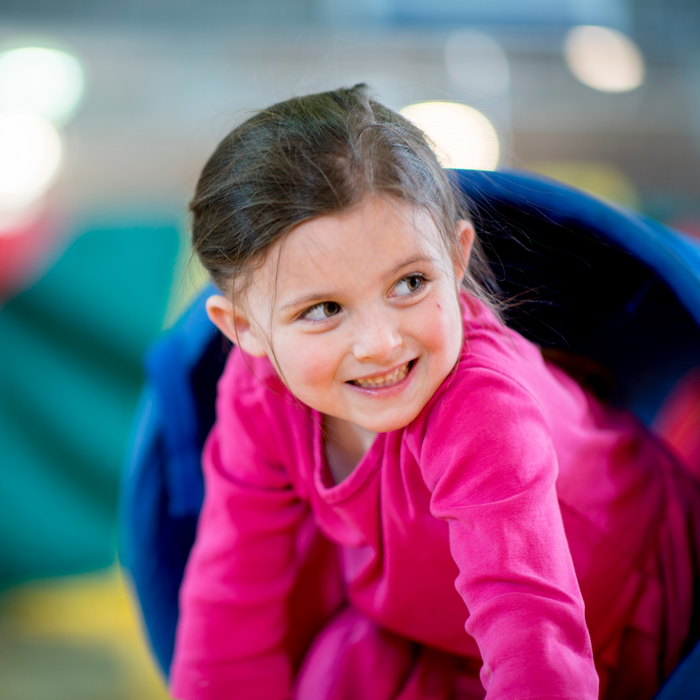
x=235, y=325
x=465, y=233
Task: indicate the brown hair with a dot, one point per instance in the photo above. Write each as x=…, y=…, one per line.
x=312, y=156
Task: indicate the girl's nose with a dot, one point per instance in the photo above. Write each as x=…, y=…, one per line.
x=377, y=337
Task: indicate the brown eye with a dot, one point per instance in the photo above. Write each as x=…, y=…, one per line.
x=330, y=308
x=409, y=285
x=322, y=311
x=414, y=283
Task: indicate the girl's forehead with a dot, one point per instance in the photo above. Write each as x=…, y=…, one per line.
x=354, y=250
x=377, y=225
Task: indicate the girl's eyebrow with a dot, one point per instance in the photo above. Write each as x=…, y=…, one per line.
x=325, y=296
x=412, y=261
x=302, y=301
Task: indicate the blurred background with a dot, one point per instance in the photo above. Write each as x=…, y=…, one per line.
x=109, y=109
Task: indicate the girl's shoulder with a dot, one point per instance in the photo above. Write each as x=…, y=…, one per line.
x=500, y=376
x=492, y=414
x=490, y=345
x=260, y=428
x=246, y=373
x=250, y=385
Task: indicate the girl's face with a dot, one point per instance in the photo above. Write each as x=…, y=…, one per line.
x=358, y=311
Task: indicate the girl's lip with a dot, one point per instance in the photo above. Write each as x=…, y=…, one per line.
x=394, y=388
x=378, y=375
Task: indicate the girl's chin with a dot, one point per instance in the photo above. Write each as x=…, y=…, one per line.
x=388, y=420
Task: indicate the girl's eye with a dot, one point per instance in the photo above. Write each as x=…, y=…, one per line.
x=320, y=312
x=409, y=285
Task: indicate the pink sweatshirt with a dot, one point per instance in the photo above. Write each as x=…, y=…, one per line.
x=473, y=530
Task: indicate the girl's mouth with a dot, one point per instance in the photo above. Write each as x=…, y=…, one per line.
x=385, y=380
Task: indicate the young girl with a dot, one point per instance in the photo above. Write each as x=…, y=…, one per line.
x=403, y=500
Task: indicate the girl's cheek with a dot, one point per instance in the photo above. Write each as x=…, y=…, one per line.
x=441, y=324
x=436, y=329
x=441, y=331
x=312, y=363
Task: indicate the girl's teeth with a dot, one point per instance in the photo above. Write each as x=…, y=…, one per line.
x=387, y=380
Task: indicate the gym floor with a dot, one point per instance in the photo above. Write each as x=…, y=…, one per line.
x=74, y=638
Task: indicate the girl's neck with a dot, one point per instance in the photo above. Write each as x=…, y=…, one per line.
x=346, y=444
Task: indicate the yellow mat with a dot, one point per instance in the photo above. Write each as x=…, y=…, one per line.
x=74, y=638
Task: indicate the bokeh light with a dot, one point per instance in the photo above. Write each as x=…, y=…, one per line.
x=463, y=136
x=30, y=153
x=604, y=59
x=476, y=62
x=40, y=81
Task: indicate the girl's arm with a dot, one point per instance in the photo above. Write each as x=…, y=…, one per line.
x=495, y=486
x=233, y=602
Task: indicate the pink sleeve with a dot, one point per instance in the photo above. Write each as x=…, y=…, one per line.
x=233, y=615
x=489, y=461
